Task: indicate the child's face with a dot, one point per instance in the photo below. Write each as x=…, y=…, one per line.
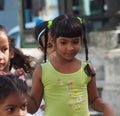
x=67, y=48
x=50, y=46
x=4, y=51
x=14, y=105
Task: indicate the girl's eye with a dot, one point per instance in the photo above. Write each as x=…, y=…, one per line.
x=4, y=50
x=76, y=42
x=10, y=109
x=49, y=45
x=23, y=106
x=63, y=42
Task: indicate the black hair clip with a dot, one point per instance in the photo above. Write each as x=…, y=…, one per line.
x=88, y=71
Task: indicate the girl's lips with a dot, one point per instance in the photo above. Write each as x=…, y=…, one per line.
x=69, y=54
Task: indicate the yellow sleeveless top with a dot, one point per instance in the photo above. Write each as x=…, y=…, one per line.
x=65, y=94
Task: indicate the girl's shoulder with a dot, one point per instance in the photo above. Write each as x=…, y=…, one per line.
x=38, y=69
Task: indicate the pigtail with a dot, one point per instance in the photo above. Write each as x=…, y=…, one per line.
x=85, y=42
x=87, y=68
x=46, y=40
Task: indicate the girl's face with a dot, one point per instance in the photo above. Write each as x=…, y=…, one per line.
x=5, y=54
x=67, y=48
x=14, y=105
x=4, y=51
x=50, y=46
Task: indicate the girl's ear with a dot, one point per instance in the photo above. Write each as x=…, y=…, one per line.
x=11, y=55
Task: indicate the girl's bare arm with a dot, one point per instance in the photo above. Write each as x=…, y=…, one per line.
x=96, y=102
x=36, y=93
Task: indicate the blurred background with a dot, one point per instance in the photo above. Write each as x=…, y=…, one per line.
x=25, y=14
x=102, y=19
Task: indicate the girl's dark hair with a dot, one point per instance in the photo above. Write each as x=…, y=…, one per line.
x=66, y=26
x=39, y=30
x=20, y=60
x=9, y=84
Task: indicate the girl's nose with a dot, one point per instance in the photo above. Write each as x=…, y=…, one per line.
x=1, y=55
x=70, y=47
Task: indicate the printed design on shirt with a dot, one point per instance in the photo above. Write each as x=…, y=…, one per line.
x=69, y=85
x=59, y=80
x=74, y=97
x=77, y=109
x=79, y=99
x=70, y=94
x=70, y=104
x=75, y=92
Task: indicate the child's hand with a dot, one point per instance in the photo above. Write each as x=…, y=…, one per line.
x=19, y=72
x=108, y=111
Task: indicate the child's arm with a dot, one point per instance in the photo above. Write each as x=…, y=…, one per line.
x=96, y=102
x=36, y=94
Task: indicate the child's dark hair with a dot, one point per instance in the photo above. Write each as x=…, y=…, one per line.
x=9, y=84
x=20, y=60
x=70, y=26
x=66, y=26
x=39, y=30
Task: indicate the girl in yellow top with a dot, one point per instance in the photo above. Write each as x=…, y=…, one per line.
x=67, y=84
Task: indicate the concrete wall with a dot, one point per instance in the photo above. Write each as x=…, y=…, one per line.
x=105, y=49
x=111, y=90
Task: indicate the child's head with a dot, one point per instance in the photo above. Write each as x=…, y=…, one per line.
x=43, y=37
x=5, y=53
x=69, y=26
x=13, y=95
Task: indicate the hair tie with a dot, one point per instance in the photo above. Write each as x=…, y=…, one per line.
x=49, y=24
x=80, y=19
x=22, y=77
x=40, y=35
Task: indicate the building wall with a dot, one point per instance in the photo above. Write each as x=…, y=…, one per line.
x=9, y=16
